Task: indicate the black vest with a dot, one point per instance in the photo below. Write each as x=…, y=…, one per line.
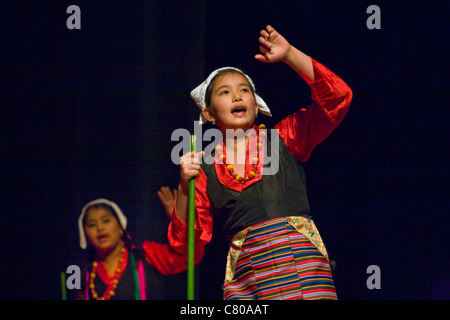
x=279, y=195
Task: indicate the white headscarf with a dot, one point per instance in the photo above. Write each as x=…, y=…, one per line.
x=121, y=217
x=198, y=94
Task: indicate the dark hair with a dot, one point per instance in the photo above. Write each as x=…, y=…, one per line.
x=210, y=87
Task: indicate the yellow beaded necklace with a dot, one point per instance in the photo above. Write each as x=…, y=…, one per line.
x=252, y=173
x=112, y=285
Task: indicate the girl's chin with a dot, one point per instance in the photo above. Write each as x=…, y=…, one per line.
x=239, y=124
x=105, y=247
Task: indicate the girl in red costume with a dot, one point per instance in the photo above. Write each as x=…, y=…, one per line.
x=117, y=269
x=276, y=251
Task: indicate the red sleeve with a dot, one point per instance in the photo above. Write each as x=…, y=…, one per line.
x=308, y=127
x=178, y=230
x=166, y=260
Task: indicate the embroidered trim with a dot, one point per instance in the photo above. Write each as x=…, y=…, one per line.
x=306, y=227
x=233, y=254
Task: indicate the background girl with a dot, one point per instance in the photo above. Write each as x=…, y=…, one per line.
x=118, y=269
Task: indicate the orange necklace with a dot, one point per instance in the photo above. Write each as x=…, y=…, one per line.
x=112, y=285
x=252, y=173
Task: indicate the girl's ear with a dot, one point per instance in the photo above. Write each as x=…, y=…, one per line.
x=208, y=114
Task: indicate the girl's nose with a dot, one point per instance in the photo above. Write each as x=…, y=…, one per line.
x=237, y=97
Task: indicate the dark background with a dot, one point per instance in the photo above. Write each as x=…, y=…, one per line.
x=89, y=113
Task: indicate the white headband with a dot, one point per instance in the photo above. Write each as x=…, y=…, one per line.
x=198, y=94
x=121, y=217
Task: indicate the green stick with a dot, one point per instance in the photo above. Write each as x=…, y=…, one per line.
x=191, y=224
x=63, y=286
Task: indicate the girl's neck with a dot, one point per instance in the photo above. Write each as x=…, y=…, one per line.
x=236, y=142
x=236, y=146
x=111, y=259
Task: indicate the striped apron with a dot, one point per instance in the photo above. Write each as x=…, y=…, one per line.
x=279, y=259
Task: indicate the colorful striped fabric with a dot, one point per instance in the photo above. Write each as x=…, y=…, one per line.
x=279, y=263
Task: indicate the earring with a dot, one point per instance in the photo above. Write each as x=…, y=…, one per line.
x=256, y=117
x=213, y=123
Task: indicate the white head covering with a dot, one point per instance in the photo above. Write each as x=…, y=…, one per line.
x=198, y=94
x=121, y=217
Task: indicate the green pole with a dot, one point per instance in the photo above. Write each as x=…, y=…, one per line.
x=63, y=286
x=191, y=225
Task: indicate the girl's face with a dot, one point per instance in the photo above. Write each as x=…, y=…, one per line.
x=102, y=229
x=233, y=103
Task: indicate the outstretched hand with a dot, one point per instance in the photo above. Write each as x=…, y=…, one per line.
x=167, y=198
x=274, y=47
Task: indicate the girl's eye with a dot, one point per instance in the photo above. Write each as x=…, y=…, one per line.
x=244, y=90
x=224, y=92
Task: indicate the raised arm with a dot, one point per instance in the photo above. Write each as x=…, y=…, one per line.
x=308, y=127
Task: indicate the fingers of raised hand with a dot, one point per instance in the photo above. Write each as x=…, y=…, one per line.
x=268, y=33
x=264, y=34
x=265, y=44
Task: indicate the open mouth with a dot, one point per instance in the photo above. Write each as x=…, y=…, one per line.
x=102, y=238
x=239, y=110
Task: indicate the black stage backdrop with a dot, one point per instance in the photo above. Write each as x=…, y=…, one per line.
x=89, y=113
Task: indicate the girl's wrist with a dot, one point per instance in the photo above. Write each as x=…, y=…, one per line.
x=183, y=187
x=288, y=55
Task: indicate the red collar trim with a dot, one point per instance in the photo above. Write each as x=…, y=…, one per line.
x=103, y=273
x=224, y=176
